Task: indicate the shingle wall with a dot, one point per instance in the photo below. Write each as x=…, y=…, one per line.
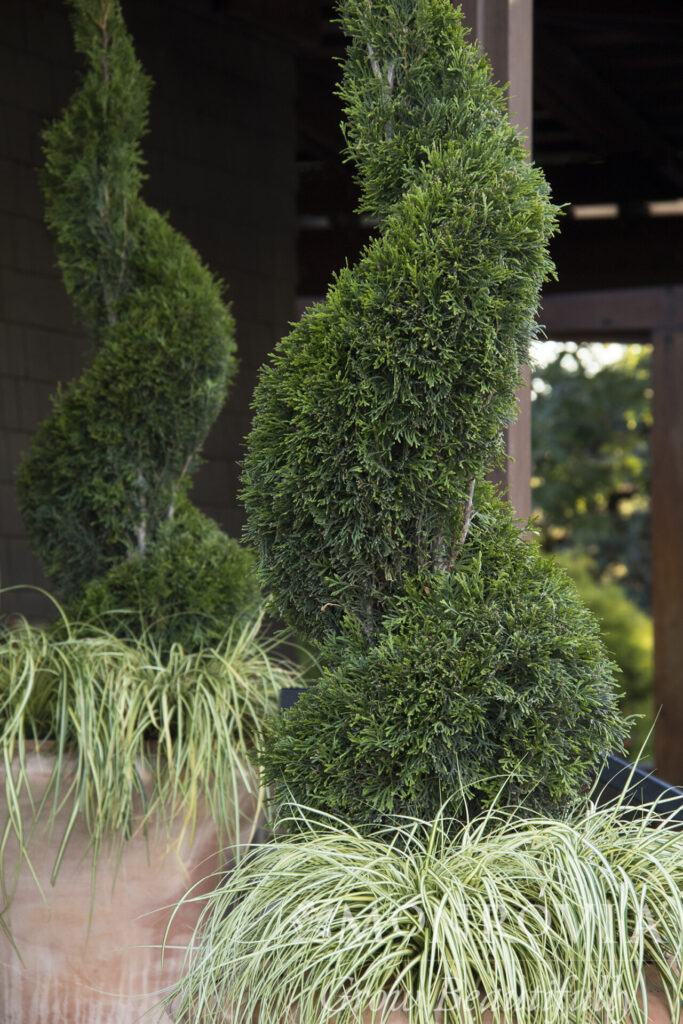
x=221, y=155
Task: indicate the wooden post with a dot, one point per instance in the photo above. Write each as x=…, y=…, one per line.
x=667, y=550
x=504, y=28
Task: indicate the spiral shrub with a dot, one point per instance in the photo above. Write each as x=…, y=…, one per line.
x=487, y=683
x=386, y=401
x=184, y=590
x=457, y=663
x=109, y=467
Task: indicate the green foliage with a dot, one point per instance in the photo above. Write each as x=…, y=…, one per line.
x=386, y=401
x=109, y=466
x=591, y=434
x=489, y=679
x=535, y=920
x=99, y=700
x=457, y=663
x=627, y=633
x=186, y=589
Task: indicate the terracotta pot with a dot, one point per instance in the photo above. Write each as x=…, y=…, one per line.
x=94, y=958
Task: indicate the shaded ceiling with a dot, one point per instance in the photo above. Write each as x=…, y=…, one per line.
x=607, y=130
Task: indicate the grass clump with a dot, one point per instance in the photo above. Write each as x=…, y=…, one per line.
x=540, y=921
x=116, y=713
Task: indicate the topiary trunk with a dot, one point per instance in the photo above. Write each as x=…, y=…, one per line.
x=103, y=488
x=457, y=663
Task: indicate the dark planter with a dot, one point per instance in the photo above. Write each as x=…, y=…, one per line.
x=289, y=695
x=642, y=787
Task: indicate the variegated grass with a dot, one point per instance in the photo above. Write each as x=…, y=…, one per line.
x=539, y=921
x=138, y=737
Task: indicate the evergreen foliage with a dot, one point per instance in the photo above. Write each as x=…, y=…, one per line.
x=456, y=661
x=110, y=466
x=490, y=681
x=385, y=402
x=184, y=590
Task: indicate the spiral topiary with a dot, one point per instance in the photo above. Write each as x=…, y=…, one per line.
x=108, y=470
x=486, y=683
x=456, y=663
x=387, y=401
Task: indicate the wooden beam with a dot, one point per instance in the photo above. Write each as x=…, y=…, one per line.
x=621, y=253
x=617, y=314
x=605, y=121
x=667, y=551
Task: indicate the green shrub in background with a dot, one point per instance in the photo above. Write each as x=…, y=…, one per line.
x=591, y=455
x=109, y=469
x=456, y=661
x=627, y=633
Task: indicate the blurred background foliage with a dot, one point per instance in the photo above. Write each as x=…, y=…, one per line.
x=591, y=428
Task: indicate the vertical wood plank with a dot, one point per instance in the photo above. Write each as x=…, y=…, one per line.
x=504, y=28
x=667, y=550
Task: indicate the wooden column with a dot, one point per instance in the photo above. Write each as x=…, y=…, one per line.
x=667, y=550
x=504, y=29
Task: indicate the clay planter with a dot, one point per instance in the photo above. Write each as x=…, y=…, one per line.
x=108, y=971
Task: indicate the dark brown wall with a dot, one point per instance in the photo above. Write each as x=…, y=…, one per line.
x=221, y=153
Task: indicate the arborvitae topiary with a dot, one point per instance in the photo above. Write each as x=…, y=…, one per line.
x=456, y=662
x=108, y=470
x=188, y=586
x=387, y=401
x=486, y=682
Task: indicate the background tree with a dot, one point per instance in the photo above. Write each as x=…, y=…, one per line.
x=103, y=490
x=591, y=454
x=591, y=449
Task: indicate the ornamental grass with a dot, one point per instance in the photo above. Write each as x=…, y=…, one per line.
x=537, y=920
x=138, y=735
